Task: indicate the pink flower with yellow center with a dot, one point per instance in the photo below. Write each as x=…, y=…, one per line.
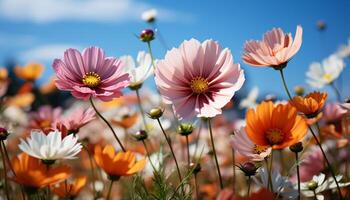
x=198, y=78
x=90, y=74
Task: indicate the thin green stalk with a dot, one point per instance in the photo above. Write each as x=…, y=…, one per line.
x=148, y=155
x=108, y=124
x=215, y=156
x=315, y=195
x=5, y=171
x=141, y=109
x=151, y=54
x=326, y=159
x=298, y=174
x=109, y=190
x=270, y=171
x=336, y=91
x=188, y=152
x=196, y=186
x=172, y=151
x=285, y=84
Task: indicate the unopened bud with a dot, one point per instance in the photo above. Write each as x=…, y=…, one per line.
x=3, y=133
x=312, y=185
x=147, y=35
x=196, y=167
x=297, y=147
x=185, y=129
x=299, y=90
x=141, y=135
x=155, y=113
x=249, y=168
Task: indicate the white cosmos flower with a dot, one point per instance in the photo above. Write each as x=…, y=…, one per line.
x=140, y=71
x=344, y=50
x=149, y=15
x=250, y=100
x=320, y=184
x=51, y=146
x=322, y=74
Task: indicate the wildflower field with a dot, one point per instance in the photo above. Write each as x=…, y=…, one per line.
x=178, y=125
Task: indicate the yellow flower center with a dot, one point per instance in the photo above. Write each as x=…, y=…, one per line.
x=199, y=85
x=328, y=77
x=274, y=136
x=45, y=124
x=259, y=149
x=91, y=79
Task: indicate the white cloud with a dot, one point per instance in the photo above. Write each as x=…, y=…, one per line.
x=45, y=11
x=45, y=53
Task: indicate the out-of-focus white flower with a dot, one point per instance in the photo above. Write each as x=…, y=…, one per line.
x=140, y=71
x=50, y=147
x=321, y=74
x=280, y=185
x=320, y=184
x=243, y=145
x=156, y=159
x=344, y=50
x=250, y=100
x=149, y=15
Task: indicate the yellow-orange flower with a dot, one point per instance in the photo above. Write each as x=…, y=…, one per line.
x=32, y=173
x=70, y=190
x=276, y=126
x=126, y=121
x=29, y=72
x=48, y=87
x=310, y=105
x=3, y=74
x=117, y=165
x=21, y=100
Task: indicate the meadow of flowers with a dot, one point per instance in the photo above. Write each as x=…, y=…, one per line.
x=95, y=131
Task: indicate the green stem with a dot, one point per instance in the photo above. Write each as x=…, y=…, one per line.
x=141, y=108
x=151, y=54
x=270, y=172
x=5, y=171
x=285, y=84
x=148, y=155
x=298, y=174
x=108, y=124
x=188, y=152
x=92, y=169
x=336, y=91
x=109, y=190
x=196, y=186
x=326, y=159
x=172, y=151
x=215, y=156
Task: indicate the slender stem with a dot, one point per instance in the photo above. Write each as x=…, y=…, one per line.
x=5, y=171
x=326, y=159
x=108, y=124
x=109, y=190
x=285, y=84
x=188, y=152
x=298, y=174
x=151, y=54
x=249, y=183
x=315, y=195
x=269, y=177
x=160, y=36
x=215, y=156
x=141, y=109
x=171, y=149
x=270, y=171
x=148, y=155
x=92, y=169
x=234, y=169
x=7, y=158
x=336, y=91
x=196, y=186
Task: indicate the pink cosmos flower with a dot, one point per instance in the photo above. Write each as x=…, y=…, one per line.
x=90, y=74
x=243, y=145
x=275, y=49
x=44, y=117
x=77, y=119
x=198, y=79
x=333, y=112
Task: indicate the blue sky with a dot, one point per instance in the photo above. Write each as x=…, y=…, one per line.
x=39, y=30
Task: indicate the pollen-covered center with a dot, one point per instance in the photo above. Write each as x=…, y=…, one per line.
x=328, y=77
x=274, y=136
x=91, y=79
x=259, y=149
x=199, y=85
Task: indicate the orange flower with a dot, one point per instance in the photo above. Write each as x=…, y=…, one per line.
x=32, y=173
x=70, y=190
x=48, y=87
x=117, y=165
x=21, y=100
x=3, y=74
x=261, y=194
x=310, y=105
x=126, y=121
x=276, y=126
x=29, y=72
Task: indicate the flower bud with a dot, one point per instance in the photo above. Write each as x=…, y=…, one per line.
x=196, y=167
x=155, y=113
x=312, y=185
x=249, y=168
x=147, y=35
x=185, y=129
x=3, y=133
x=299, y=90
x=141, y=135
x=297, y=147
x=321, y=25
x=135, y=86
